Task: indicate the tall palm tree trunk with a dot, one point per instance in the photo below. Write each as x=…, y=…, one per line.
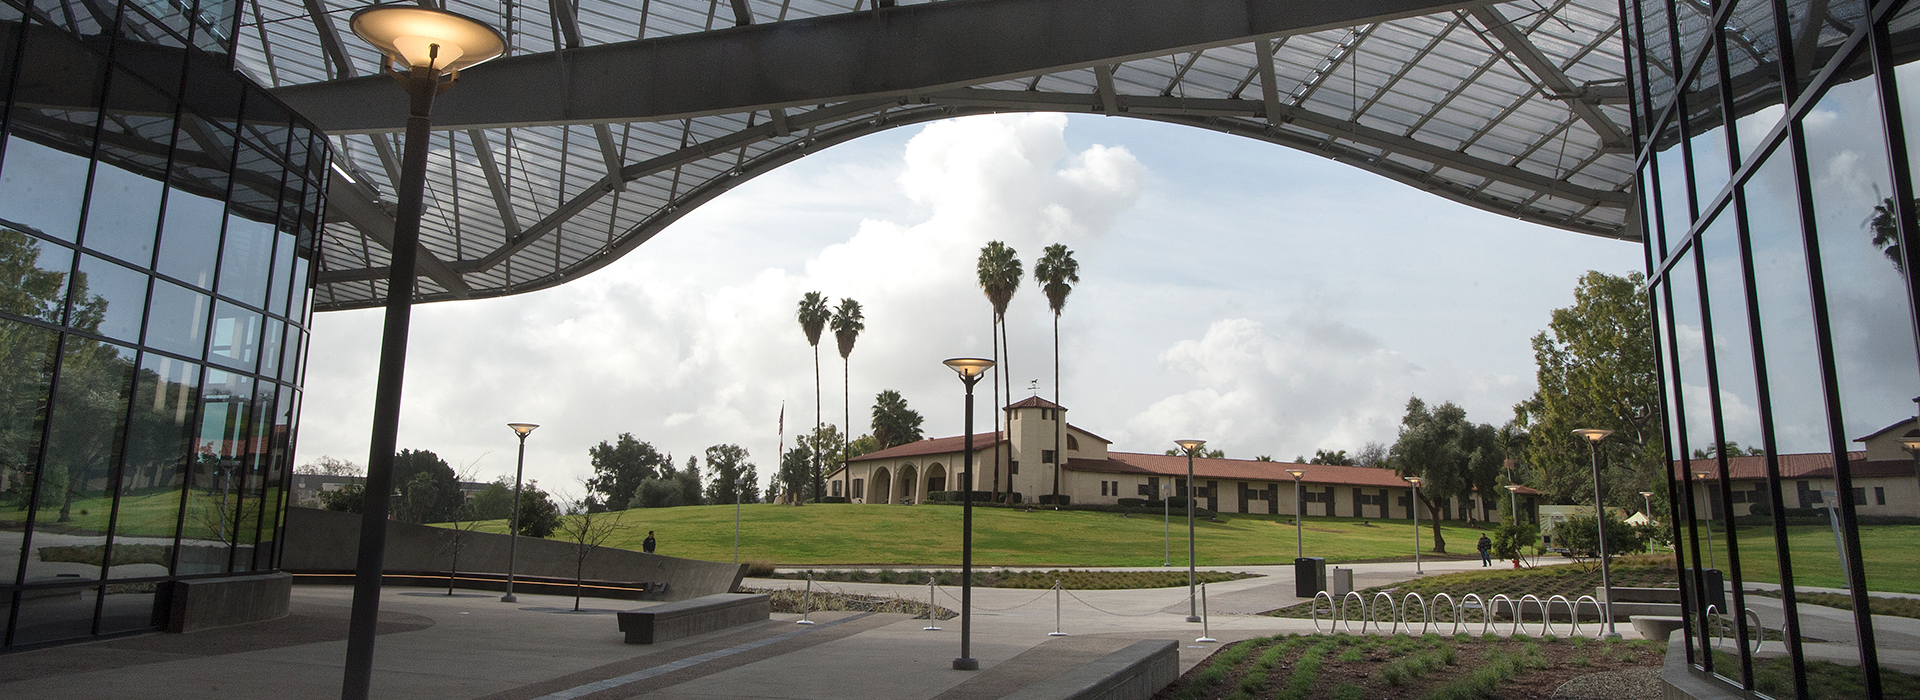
x=1059, y=416
x=846, y=415
x=1006, y=354
x=996, y=411
x=818, y=482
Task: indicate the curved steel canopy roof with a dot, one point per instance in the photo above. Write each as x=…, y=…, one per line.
x=610, y=119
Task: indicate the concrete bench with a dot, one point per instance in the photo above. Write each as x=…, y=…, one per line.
x=1133, y=673
x=1656, y=626
x=686, y=618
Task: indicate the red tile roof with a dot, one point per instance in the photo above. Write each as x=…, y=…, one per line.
x=933, y=446
x=1236, y=469
x=1817, y=465
x=1034, y=402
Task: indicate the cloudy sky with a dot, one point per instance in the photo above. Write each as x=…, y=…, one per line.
x=1269, y=301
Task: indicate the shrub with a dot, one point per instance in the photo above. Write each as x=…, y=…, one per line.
x=1579, y=534
x=760, y=568
x=830, y=499
x=1511, y=536
x=1056, y=500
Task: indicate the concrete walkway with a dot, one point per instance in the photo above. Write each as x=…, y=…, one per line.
x=435, y=647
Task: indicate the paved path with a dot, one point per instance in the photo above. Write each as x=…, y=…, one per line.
x=436, y=647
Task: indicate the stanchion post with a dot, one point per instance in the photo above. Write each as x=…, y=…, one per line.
x=933, y=606
x=1206, y=626
x=806, y=608
x=1056, y=611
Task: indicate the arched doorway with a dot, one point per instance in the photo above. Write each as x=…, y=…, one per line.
x=907, y=482
x=936, y=478
x=879, y=490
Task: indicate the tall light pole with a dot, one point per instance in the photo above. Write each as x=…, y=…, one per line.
x=1299, y=551
x=1416, y=523
x=1594, y=436
x=1191, y=446
x=1646, y=505
x=428, y=44
x=1705, y=493
x=1513, y=501
x=513, y=520
x=970, y=370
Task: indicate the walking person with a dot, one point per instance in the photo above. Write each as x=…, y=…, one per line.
x=648, y=544
x=1486, y=549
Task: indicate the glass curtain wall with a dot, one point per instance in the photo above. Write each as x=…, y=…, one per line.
x=1775, y=165
x=158, y=213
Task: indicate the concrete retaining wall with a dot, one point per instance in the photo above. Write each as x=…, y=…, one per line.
x=323, y=541
x=206, y=603
x=1134, y=673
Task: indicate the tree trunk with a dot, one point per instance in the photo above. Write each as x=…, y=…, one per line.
x=818, y=483
x=1439, y=542
x=846, y=413
x=579, y=573
x=1006, y=355
x=995, y=341
x=1059, y=417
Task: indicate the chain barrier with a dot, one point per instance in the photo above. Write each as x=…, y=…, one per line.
x=977, y=606
x=1340, y=614
x=1105, y=611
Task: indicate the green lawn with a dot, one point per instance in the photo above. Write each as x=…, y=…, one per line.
x=1892, y=554
x=930, y=535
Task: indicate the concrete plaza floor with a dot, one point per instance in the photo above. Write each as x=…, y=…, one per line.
x=470, y=645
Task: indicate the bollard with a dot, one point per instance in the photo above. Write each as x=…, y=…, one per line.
x=931, y=606
x=807, y=607
x=1206, y=627
x=1056, y=612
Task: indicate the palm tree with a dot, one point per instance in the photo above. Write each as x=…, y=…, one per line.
x=894, y=423
x=1056, y=273
x=847, y=324
x=813, y=317
x=999, y=273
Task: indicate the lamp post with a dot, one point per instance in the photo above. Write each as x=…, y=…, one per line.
x=1702, y=478
x=970, y=370
x=1299, y=551
x=429, y=44
x=513, y=527
x=1416, y=523
x=1594, y=436
x=1513, y=501
x=1646, y=499
x=1190, y=446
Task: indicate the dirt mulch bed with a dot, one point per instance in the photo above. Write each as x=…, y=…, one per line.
x=1401, y=667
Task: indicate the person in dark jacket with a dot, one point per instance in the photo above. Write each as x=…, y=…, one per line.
x=1486, y=549
x=648, y=544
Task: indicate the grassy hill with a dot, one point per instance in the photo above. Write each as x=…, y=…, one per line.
x=930, y=535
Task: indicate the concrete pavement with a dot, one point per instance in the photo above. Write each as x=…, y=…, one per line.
x=436, y=647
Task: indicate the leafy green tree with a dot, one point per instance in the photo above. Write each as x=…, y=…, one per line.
x=346, y=499
x=28, y=355
x=1372, y=455
x=494, y=502
x=862, y=445
x=429, y=489
x=539, y=516
x=847, y=324
x=894, y=423
x=813, y=316
x=733, y=475
x=585, y=530
x=1579, y=534
x=1512, y=538
x=1733, y=450
x=1056, y=273
x=1595, y=369
x=999, y=273
x=619, y=468
x=795, y=472
x=1331, y=457
x=1884, y=224
x=1202, y=453
x=1452, y=456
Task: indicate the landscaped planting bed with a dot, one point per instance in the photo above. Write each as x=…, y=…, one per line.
x=1403, y=667
x=1069, y=579
x=795, y=601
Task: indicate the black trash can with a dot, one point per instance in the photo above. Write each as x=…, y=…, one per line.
x=1309, y=576
x=1712, y=591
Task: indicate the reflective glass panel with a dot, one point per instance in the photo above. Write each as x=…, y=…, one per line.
x=51, y=616
x=123, y=206
x=108, y=299
x=178, y=321
x=42, y=188
x=270, y=346
x=214, y=488
x=1675, y=213
x=282, y=273
x=159, y=453
x=236, y=336
x=26, y=376
x=83, y=452
x=190, y=238
x=33, y=275
x=246, y=260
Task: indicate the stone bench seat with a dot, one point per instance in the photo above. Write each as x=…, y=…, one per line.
x=686, y=618
x=1133, y=673
x=1659, y=627
x=1622, y=594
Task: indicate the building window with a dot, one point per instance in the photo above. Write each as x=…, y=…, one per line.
x=1879, y=497
x=1046, y=457
x=836, y=489
x=1013, y=466
x=1073, y=443
x=1046, y=414
x=859, y=488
